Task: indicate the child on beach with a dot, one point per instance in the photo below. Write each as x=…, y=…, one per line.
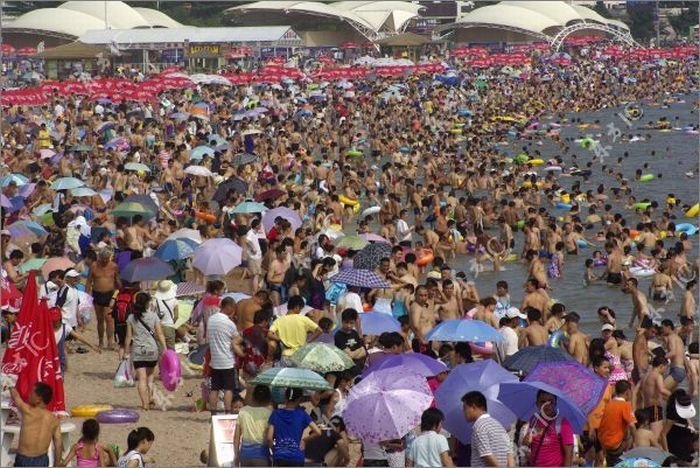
x=643, y=436
x=139, y=442
x=88, y=452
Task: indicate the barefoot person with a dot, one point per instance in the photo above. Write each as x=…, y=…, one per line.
x=653, y=393
x=39, y=428
x=102, y=282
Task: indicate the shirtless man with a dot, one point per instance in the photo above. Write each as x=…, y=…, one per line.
x=275, y=276
x=102, y=282
x=535, y=297
x=688, y=307
x=534, y=334
x=653, y=393
x=485, y=311
x=536, y=269
x=640, y=349
x=661, y=287
x=613, y=273
x=39, y=428
x=136, y=235
x=577, y=346
x=449, y=306
x=674, y=353
x=430, y=238
x=640, y=307
x=246, y=309
x=422, y=319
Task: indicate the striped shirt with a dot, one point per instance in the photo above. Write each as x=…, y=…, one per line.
x=489, y=438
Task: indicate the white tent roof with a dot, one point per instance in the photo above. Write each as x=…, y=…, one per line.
x=57, y=20
x=119, y=14
x=512, y=16
x=560, y=12
x=157, y=19
x=312, y=8
x=180, y=35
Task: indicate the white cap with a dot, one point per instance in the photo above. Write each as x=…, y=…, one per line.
x=71, y=273
x=5, y=232
x=514, y=312
x=607, y=327
x=685, y=407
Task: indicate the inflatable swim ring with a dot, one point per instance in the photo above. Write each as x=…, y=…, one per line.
x=563, y=206
x=88, y=411
x=536, y=162
x=582, y=244
x=693, y=211
x=520, y=224
x=195, y=360
x=642, y=272
x=117, y=416
x=641, y=205
x=405, y=149
x=206, y=217
x=371, y=211
x=170, y=371
x=557, y=338
x=456, y=131
x=647, y=177
x=521, y=158
x=553, y=168
x=565, y=197
x=587, y=143
x=427, y=258
x=687, y=228
x=348, y=201
x=354, y=152
x=482, y=348
x=511, y=258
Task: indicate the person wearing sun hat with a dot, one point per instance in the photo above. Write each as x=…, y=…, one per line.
x=165, y=306
x=679, y=435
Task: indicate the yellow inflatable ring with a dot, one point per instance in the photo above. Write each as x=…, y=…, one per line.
x=456, y=131
x=693, y=211
x=88, y=411
x=536, y=162
x=348, y=201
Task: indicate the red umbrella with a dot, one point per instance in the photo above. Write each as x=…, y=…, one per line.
x=7, y=49
x=26, y=51
x=32, y=355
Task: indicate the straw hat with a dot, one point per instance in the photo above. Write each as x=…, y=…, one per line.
x=166, y=290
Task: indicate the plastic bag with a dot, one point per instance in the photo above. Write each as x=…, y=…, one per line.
x=124, y=377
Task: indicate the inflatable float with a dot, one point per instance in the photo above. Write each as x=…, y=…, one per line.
x=693, y=211
x=117, y=416
x=426, y=258
x=642, y=272
x=557, y=339
x=354, y=152
x=372, y=210
x=170, y=371
x=687, y=228
x=647, y=177
x=89, y=411
x=206, y=217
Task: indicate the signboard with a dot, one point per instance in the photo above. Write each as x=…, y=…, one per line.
x=203, y=50
x=240, y=52
x=221, y=450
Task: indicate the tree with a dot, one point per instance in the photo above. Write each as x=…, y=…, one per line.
x=689, y=17
x=601, y=9
x=641, y=20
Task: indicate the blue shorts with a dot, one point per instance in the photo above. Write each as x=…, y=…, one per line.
x=678, y=373
x=41, y=460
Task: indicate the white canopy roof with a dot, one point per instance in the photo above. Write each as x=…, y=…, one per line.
x=56, y=20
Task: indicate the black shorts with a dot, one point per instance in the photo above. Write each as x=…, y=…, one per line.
x=655, y=413
x=224, y=379
x=614, y=278
x=588, y=444
x=102, y=299
x=120, y=332
x=145, y=364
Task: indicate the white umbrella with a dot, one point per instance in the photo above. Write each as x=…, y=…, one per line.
x=217, y=257
x=185, y=233
x=200, y=171
x=251, y=131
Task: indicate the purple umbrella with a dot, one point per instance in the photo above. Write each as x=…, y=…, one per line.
x=386, y=405
x=290, y=215
x=372, y=237
x=217, y=256
x=5, y=202
x=26, y=190
x=420, y=364
x=578, y=383
x=146, y=269
x=376, y=323
x=483, y=376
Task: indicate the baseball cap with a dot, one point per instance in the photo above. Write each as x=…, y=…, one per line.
x=685, y=407
x=71, y=273
x=572, y=317
x=607, y=327
x=5, y=232
x=514, y=312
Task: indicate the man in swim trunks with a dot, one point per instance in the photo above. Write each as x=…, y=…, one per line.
x=613, y=273
x=422, y=319
x=675, y=353
x=39, y=428
x=653, y=393
x=102, y=282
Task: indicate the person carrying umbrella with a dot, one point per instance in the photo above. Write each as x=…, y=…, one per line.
x=548, y=438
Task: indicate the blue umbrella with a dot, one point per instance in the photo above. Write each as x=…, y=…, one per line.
x=376, y=323
x=521, y=397
x=483, y=376
x=250, y=207
x=527, y=358
x=420, y=364
x=360, y=278
x=217, y=140
x=201, y=151
x=464, y=330
x=147, y=269
x=18, y=179
x=66, y=183
x=176, y=249
x=20, y=227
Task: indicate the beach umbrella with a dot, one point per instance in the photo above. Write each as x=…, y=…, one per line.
x=31, y=264
x=189, y=288
x=144, y=200
x=248, y=207
x=360, y=279
x=131, y=209
x=233, y=184
x=521, y=397
x=527, y=358
x=119, y=144
x=55, y=263
x=200, y=151
x=5, y=202
x=268, y=195
x=352, y=243
x=21, y=228
x=416, y=363
x=136, y=167
x=66, y=183
x=463, y=330
x=386, y=405
x=184, y=233
x=146, y=269
x=372, y=237
x=578, y=383
x=268, y=219
x=83, y=192
x=369, y=257
x=104, y=126
x=175, y=249
x=217, y=257
x=46, y=153
x=199, y=171
x=322, y=358
x=181, y=116
x=293, y=377
x=18, y=179
x=332, y=234
x=376, y=323
x=81, y=148
x=252, y=131
x=217, y=140
x=241, y=159
x=655, y=455
x=483, y=376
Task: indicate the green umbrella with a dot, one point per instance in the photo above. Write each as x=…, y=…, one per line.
x=352, y=243
x=132, y=166
x=32, y=264
x=131, y=209
x=291, y=377
x=322, y=358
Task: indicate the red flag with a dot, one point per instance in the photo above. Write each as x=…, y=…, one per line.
x=32, y=355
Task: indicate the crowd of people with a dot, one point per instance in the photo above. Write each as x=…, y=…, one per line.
x=424, y=161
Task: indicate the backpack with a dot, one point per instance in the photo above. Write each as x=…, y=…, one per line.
x=122, y=306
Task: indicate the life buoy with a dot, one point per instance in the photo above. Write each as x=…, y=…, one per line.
x=88, y=411
x=642, y=272
x=582, y=244
x=348, y=201
x=536, y=162
x=693, y=211
x=354, y=152
x=557, y=339
x=117, y=416
x=687, y=228
x=647, y=177
x=405, y=149
x=372, y=210
x=553, y=168
x=641, y=205
x=206, y=217
x=170, y=371
x=563, y=206
x=587, y=143
x=521, y=158
x=195, y=359
x=456, y=131
x=426, y=258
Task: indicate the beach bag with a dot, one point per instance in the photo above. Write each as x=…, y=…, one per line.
x=122, y=306
x=124, y=376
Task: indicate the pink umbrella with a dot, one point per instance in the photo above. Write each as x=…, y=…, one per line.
x=55, y=263
x=217, y=257
x=290, y=215
x=372, y=237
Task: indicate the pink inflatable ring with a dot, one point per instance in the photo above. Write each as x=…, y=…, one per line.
x=170, y=371
x=117, y=416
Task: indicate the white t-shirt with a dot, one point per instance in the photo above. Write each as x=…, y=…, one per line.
x=220, y=331
x=127, y=457
x=403, y=232
x=255, y=251
x=69, y=311
x=510, y=340
x=350, y=300
x=426, y=449
x=166, y=310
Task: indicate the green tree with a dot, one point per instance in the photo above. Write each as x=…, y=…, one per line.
x=688, y=17
x=641, y=20
x=601, y=9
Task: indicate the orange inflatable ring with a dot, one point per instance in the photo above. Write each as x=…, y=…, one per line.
x=427, y=258
x=206, y=217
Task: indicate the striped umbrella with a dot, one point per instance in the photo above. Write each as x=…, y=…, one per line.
x=360, y=279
